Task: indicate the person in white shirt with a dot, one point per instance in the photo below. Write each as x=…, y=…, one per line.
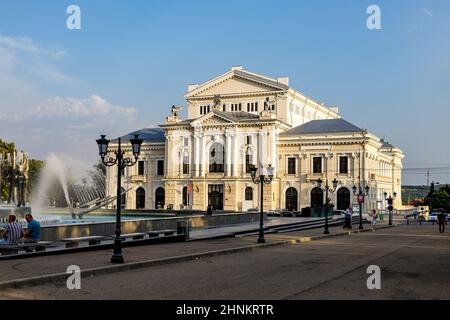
x=13, y=232
x=348, y=218
x=374, y=218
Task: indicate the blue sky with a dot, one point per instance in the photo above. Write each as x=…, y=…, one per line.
x=132, y=60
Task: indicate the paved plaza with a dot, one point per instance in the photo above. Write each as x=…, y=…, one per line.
x=414, y=262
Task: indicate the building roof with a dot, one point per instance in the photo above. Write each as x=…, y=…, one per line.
x=386, y=144
x=147, y=134
x=324, y=126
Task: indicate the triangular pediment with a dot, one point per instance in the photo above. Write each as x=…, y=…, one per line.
x=212, y=118
x=236, y=82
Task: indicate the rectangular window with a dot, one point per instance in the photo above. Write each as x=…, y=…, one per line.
x=240, y=107
x=317, y=165
x=224, y=108
x=248, y=107
x=185, y=165
x=248, y=163
x=249, y=139
x=186, y=141
x=291, y=165
x=343, y=165
x=141, y=168
x=256, y=106
x=160, y=169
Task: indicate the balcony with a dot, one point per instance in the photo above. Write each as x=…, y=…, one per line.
x=139, y=178
x=315, y=176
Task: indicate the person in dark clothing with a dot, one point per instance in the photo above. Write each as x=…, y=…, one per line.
x=209, y=211
x=441, y=221
x=348, y=218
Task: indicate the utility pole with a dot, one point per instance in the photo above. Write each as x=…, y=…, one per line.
x=428, y=177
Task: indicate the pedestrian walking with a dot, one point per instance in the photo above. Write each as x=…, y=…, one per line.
x=374, y=219
x=348, y=218
x=441, y=220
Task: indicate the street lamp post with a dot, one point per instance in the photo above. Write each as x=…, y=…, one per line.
x=327, y=200
x=390, y=202
x=262, y=179
x=122, y=162
x=361, y=198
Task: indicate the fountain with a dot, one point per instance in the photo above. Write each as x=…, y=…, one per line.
x=53, y=169
x=79, y=199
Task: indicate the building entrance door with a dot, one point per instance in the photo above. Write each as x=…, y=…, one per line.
x=291, y=199
x=215, y=196
x=343, y=199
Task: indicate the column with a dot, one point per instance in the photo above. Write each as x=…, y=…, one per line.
x=261, y=159
x=201, y=157
x=273, y=152
x=228, y=142
x=196, y=154
x=234, y=156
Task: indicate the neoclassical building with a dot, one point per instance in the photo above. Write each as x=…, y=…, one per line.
x=240, y=119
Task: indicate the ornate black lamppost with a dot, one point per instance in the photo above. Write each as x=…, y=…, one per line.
x=327, y=200
x=122, y=162
x=262, y=179
x=390, y=202
x=361, y=198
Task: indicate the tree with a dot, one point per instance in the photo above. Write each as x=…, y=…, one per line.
x=440, y=199
x=5, y=149
x=35, y=167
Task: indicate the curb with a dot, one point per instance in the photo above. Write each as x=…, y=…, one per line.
x=62, y=276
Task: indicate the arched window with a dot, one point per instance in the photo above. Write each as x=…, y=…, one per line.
x=343, y=199
x=317, y=198
x=291, y=199
x=248, y=194
x=140, y=198
x=216, y=158
x=159, y=198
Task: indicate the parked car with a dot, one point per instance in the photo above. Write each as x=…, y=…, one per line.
x=253, y=210
x=338, y=213
x=432, y=217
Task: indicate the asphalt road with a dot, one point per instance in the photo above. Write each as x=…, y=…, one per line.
x=414, y=262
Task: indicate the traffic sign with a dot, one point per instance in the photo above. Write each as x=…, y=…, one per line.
x=361, y=199
x=189, y=188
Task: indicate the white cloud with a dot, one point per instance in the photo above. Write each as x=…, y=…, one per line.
x=39, y=121
x=93, y=106
x=28, y=45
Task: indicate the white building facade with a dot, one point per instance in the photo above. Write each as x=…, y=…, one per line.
x=240, y=119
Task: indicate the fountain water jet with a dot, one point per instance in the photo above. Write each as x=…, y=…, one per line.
x=53, y=169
